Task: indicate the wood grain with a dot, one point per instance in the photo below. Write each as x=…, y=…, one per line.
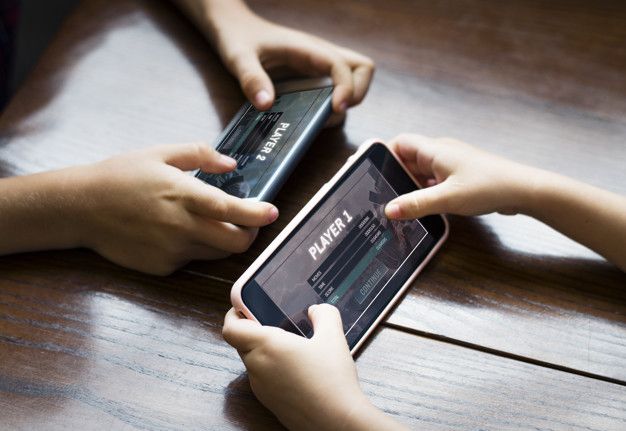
x=99, y=347
x=84, y=344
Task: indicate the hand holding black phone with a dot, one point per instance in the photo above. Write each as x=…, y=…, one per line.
x=268, y=145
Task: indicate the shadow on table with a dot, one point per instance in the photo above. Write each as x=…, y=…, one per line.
x=477, y=270
x=222, y=88
x=81, y=272
x=242, y=407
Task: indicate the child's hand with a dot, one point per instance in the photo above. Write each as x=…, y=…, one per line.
x=459, y=179
x=302, y=381
x=250, y=46
x=143, y=211
x=307, y=383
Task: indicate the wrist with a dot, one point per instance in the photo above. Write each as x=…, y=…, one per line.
x=71, y=197
x=39, y=212
x=551, y=190
x=520, y=191
x=92, y=198
x=536, y=186
x=215, y=17
x=364, y=415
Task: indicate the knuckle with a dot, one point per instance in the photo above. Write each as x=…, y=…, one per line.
x=249, y=80
x=195, y=148
x=203, y=150
x=348, y=85
x=416, y=203
x=369, y=63
x=172, y=190
x=220, y=208
x=198, y=147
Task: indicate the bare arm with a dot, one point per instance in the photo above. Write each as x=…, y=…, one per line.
x=587, y=214
x=38, y=212
x=468, y=181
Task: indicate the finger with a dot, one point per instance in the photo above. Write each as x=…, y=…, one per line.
x=214, y=234
x=196, y=155
x=354, y=58
x=241, y=333
x=420, y=203
x=320, y=58
x=341, y=75
x=254, y=81
x=416, y=151
x=210, y=202
x=326, y=322
x=362, y=73
x=361, y=76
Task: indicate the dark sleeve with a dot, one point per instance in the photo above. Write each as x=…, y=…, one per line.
x=9, y=18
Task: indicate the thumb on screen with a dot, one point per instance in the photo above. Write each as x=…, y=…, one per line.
x=254, y=81
x=420, y=203
x=326, y=321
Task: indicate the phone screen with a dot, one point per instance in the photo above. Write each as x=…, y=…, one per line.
x=260, y=141
x=347, y=253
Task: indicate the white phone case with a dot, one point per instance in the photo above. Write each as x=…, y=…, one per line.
x=235, y=293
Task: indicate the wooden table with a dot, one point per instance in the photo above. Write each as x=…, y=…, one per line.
x=511, y=326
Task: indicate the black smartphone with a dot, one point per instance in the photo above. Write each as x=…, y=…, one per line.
x=268, y=145
x=341, y=249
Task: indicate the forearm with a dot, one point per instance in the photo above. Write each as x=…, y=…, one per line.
x=210, y=15
x=594, y=217
x=38, y=212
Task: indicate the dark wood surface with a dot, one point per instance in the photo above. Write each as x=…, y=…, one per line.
x=511, y=326
x=97, y=347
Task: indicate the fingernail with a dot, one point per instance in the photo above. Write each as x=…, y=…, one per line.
x=262, y=98
x=343, y=107
x=228, y=160
x=392, y=210
x=273, y=214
